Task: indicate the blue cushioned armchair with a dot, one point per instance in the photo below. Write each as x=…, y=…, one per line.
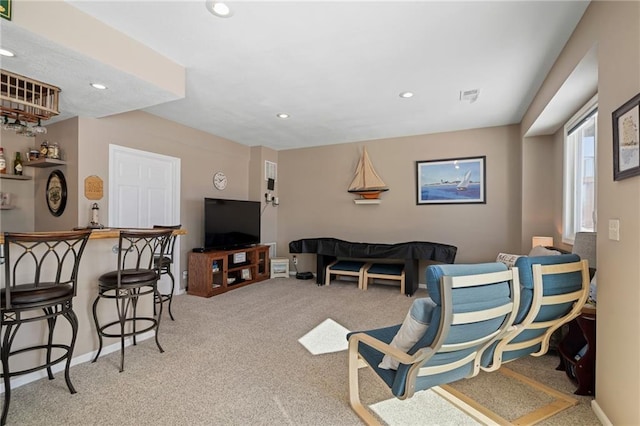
x=553, y=291
x=471, y=306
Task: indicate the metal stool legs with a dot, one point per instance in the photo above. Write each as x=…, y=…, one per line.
x=161, y=298
x=126, y=300
x=11, y=330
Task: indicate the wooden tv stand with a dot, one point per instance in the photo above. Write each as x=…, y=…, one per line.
x=216, y=272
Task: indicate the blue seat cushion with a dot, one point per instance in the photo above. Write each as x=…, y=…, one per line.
x=386, y=269
x=372, y=356
x=347, y=265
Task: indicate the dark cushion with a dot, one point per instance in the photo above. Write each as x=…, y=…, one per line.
x=165, y=260
x=347, y=265
x=373, y=356
x=27, y=294
x=386, y=269
x=129, y=277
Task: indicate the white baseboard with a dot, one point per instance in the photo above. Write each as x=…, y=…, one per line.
x=18, y=381
x=600, y=414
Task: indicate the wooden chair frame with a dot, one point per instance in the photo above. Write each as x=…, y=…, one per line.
x=447, y=284
x=359, y=274
x=368, y=275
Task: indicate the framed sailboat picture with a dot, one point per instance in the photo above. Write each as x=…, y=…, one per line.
x=451, y=181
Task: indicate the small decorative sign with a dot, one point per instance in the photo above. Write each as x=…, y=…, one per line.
x=5, y=9
x=240, y=257
x=93, y=188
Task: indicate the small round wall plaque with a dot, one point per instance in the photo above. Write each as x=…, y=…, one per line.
x=56, y=193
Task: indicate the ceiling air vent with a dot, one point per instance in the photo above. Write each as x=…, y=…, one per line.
x=26, y=99
x=469, y=95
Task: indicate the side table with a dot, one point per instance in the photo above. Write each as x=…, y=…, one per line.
x=578, y=351
x=279, y=267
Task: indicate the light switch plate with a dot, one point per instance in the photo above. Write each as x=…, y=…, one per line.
x=614, y=229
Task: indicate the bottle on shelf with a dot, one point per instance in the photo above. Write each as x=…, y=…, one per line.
x=54, y=151
x=44, y=149
x=3, y=162
x=17, y=165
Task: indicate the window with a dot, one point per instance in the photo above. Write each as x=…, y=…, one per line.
x=580, y=172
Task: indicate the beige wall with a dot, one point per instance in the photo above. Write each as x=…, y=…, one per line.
x=257, y=189
x=313, y=185
x=615, y=28
x=65, y=133
x=538, y=179
x=201, y=155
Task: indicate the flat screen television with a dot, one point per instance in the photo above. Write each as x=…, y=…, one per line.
x=230, y=224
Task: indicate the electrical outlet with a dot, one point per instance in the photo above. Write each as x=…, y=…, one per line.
x=295, y=260
x=185, y=275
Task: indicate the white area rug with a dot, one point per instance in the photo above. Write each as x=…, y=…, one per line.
x=327, y=337
x=423, y=408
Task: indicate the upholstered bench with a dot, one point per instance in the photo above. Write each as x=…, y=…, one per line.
x=386, y=271
x=351, y=268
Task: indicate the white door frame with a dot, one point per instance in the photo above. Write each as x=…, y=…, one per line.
x=175, y=206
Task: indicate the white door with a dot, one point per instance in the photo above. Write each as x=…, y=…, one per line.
x=144, y=190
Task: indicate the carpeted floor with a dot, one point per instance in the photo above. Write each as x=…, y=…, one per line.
x=235, y=359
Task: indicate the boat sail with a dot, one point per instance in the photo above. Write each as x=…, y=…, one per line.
x=366, y=182
x=464, y=183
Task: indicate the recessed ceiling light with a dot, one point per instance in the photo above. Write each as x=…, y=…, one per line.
x=406, y=95
x=218, y=8
x=98, y=86
x=282, y=115
x=5, y=52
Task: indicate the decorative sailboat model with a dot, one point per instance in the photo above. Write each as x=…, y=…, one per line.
x=366, y=182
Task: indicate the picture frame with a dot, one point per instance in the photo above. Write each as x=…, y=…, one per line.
x=56, y=193
x=451, y=181
x=5, y=9
x=626, y=139
x=246, y=274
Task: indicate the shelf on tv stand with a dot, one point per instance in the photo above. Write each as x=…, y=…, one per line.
x=204, y=281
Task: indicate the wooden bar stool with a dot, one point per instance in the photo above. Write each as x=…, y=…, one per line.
x=41, y=273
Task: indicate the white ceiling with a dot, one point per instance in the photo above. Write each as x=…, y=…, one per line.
x=336, y=67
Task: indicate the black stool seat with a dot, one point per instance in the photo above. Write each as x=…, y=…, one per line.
x=27, y=294
x=41, y=272
x=128, y=277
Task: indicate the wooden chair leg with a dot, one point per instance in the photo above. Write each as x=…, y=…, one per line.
x=354, y=391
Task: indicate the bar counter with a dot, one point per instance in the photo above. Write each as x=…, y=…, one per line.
x=99, y=257
x=97, y=234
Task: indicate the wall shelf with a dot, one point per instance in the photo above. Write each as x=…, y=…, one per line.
x=7, y=207
x=44, y=162
x=365, y=201
x=15, y=177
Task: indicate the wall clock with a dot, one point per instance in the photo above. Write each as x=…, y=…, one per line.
x=56, y=193
x=220, y=181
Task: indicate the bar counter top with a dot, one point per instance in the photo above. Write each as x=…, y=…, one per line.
x=97, y=234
